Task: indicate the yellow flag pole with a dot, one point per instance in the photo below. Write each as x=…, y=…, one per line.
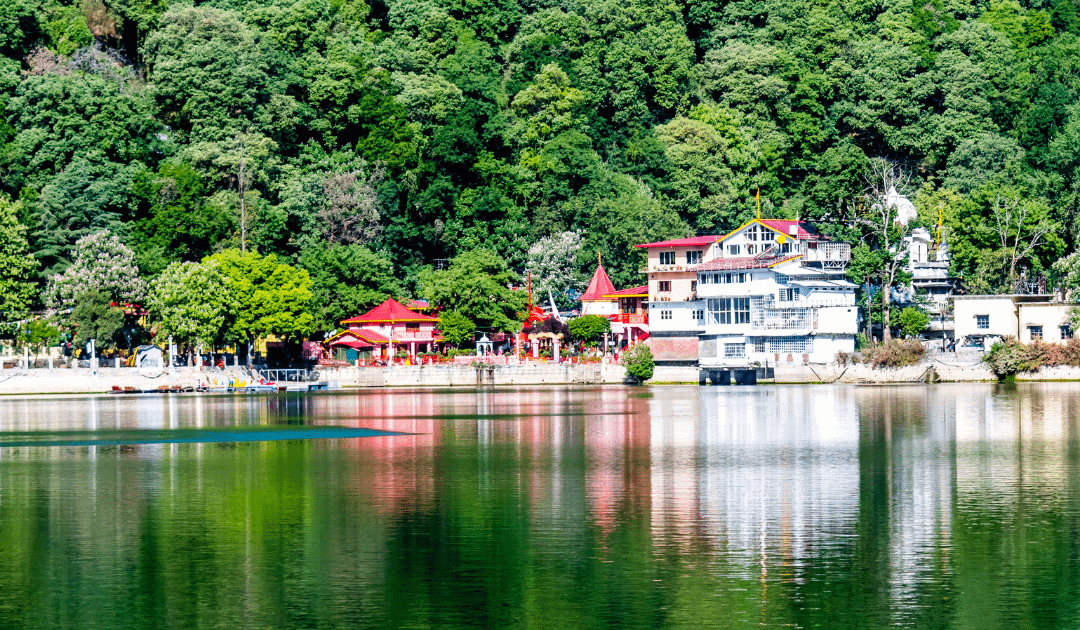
x=758, y=197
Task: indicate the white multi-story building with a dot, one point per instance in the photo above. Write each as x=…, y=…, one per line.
x=772, y=291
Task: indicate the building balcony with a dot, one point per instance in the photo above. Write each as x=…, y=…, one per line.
x=828, y=255
x=631, y=318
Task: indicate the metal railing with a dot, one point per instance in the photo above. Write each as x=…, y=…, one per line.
x=288, y=375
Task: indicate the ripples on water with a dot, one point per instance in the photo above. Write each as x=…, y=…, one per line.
x=952, y=506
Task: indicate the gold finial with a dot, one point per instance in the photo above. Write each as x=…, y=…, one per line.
x=599, y=258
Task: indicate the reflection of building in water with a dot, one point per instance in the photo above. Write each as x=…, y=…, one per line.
x=765, y=469
x=907, y=476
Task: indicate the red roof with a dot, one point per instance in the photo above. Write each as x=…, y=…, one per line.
x=784, y=225
x=684, y=242
x=742, y=262
x=389, y=311
x=642, y=291
x=598, y=286
x=358, y=334
x=352, y=343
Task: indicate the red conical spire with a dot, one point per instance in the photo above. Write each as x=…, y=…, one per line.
x=599, y=286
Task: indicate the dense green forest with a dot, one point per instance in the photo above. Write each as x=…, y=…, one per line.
x=369, y=142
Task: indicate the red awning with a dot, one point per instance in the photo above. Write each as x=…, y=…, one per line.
x=352, y=343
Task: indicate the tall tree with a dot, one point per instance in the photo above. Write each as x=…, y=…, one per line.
x=890, y=218
x=16, y=264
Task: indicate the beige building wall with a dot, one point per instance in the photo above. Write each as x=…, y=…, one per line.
x=1000, y=309
x=1049, y=317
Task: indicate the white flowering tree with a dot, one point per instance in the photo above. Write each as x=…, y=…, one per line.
x=101, y=263
x=552, y=264
x=191, y=302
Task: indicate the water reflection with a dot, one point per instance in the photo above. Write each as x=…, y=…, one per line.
x=946, y=506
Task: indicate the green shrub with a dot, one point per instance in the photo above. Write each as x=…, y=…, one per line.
x=638, y=361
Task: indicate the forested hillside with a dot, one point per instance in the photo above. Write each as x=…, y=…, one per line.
x=340, y=134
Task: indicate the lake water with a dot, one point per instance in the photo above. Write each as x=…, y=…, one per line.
x=947, y=506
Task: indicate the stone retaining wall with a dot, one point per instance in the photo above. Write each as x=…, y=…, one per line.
x=469, y=375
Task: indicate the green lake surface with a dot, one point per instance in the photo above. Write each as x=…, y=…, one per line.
x=946, y=506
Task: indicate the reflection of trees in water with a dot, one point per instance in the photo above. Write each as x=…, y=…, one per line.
x=669, y=507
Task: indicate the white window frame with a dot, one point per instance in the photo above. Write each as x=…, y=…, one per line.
x=734, y=350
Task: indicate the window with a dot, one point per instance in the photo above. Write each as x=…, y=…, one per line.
x=751, y=249
x=667, y=258
x=1066, y=331
x=789, y=295
x=699, y=315
x=781, y=279
x=734, y=350
x=982, y=322
x=785, y=248
x=768, y=235
x=693, y=286
x=703, y=278
x=759, y=345
x=751, y=234
x=693, y=258
x=733, y=250
x=742, y=277
x=714, y=311
x=1035, y=332
x=729, y=278
x=663, y=286
x=741, y=306
x=733, y=310
x=791, y=345
x=716, y=278
x=665, y=314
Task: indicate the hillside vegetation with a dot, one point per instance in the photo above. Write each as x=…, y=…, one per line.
x=338, y=133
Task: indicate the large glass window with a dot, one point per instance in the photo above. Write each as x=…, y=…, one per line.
x=667, y=258
x=734, y=350
x=693, y=258
x=725, y=310
x=741, y=308
x=714, y=311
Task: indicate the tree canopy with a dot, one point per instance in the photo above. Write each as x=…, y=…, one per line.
x=423, y=131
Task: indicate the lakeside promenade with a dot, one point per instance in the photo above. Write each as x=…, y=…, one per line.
x=84, y=380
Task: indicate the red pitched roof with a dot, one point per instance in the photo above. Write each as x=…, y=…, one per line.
x=784, y=225
x=742, y=262
x=598, y=286
x=642, y=291
x=389, y=311
x=684, y=242
x=359, y=334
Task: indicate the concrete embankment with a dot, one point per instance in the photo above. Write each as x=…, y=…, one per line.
x=86, y=381
x=72, y=381
x=472, y=375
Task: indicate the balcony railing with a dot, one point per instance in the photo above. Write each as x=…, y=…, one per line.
x=789, y=319
x=830, y=255
x=631, y=318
